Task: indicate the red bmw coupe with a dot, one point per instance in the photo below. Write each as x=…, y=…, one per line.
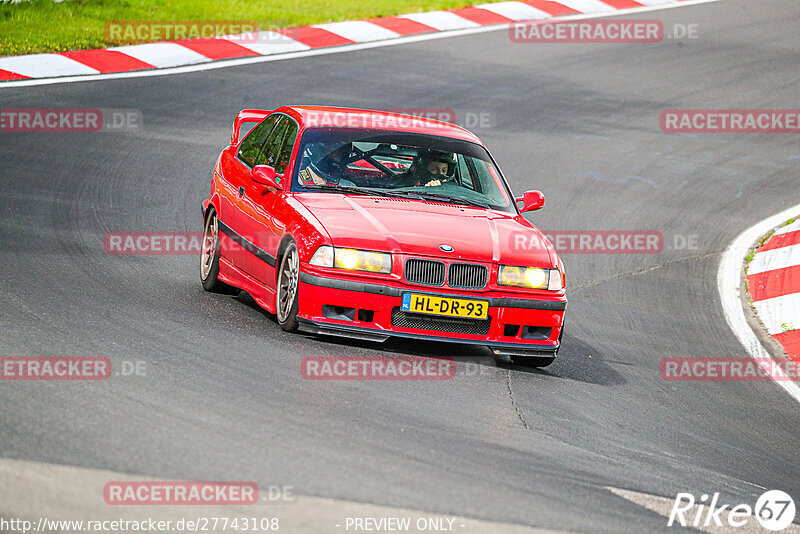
x=370, y=224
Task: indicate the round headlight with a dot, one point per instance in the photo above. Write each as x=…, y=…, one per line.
x=535, y=277
x=346, y=258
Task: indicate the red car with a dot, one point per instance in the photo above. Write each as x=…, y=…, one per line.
x=370, y=224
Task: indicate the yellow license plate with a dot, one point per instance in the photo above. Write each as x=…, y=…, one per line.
x=444, y=306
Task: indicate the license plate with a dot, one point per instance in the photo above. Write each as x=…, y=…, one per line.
x=445, y=306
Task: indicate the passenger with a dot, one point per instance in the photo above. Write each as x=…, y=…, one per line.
x=428, y=169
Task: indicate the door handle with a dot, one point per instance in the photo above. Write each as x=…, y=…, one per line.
x=241, y=190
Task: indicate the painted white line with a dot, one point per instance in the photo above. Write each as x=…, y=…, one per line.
x=587, y=6
x=31, y=490
x=729, y=279
x=38, y=65
x=162, y=55
x=359, y=31
x=441, y=20
x=515, y=11
x=323, y=51
x=777, y=311
x=653, y=2
x=792, y=227
x=274, y=43
x=777, y=258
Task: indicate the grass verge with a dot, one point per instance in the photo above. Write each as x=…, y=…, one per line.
x=752, y=252
x=33, y=26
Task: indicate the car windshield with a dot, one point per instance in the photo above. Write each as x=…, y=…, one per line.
x=386, y=163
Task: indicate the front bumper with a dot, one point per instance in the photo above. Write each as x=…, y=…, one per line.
x=371, y=311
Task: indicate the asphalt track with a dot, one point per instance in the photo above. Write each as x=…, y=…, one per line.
x=223, y=398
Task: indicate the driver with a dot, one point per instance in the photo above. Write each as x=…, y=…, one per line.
x=330, y=168
x=429, y=169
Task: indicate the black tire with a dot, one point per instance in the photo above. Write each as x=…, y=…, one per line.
x=209, y=263
x=287, y=288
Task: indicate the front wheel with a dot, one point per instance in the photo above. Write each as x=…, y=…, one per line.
x=209, y=257
x=286, y=303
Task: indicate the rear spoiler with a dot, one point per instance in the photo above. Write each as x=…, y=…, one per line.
x=243, y=117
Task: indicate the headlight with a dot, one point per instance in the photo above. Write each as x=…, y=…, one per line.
x=352, y=259
x=530, y=277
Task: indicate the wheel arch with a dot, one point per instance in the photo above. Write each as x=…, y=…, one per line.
x=288, y=238
x=212, y=203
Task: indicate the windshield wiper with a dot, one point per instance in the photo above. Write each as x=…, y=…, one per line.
x=346, y=189
x=453, y=200
x=417, y=195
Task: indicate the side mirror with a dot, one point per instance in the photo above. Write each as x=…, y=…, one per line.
x=531, y=200
x=264, y=175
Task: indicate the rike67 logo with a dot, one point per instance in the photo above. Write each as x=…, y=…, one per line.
x=774, y=510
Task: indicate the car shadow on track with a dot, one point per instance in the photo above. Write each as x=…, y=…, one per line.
x=577, y=360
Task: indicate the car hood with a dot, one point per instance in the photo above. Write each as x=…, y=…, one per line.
x=419, y=228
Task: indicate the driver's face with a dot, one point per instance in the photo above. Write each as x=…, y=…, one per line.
x=437, y=168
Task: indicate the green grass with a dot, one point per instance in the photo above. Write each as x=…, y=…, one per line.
x=45, y=26
x=761, y=242
x=754, y=248
x=752, y=252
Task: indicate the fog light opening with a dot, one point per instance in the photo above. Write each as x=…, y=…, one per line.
x=340, y=313
x=510, y=330
x=536, y=332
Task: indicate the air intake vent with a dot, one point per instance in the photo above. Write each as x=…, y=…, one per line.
x=467, y=276
x=425, y=272
x=441, y=324
x=433, y=203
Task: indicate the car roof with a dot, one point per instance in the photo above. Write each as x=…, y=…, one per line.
x=336, y=117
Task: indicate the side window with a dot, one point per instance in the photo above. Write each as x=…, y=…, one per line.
x=287, y=147
x=251, y=151
x=279, y=145
x=273, y=146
